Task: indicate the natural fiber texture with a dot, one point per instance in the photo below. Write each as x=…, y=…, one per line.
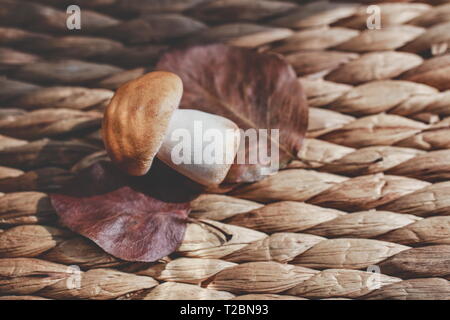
x=370, y=186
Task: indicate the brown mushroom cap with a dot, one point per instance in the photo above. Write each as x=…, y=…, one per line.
x=137, y=118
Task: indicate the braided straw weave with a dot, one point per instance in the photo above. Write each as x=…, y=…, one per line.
x=370, y=188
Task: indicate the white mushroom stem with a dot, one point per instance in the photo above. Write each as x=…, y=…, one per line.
x=200, y=145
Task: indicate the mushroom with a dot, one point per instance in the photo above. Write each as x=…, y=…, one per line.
x=143, y=121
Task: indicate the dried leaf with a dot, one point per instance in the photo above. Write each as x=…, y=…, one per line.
x=123, y=221
x=268, y=98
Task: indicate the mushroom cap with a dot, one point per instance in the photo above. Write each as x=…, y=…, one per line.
x=136, y=119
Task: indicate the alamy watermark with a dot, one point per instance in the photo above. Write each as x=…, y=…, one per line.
x=74, y=280
x=374, y=20
x=373, y=282
x=73, y=21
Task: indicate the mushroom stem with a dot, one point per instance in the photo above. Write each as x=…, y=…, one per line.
x=200, y=145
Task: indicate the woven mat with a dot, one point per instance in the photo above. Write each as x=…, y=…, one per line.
x=363, y=213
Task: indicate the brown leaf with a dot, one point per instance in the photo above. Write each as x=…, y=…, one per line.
x=264, y=94
x=122, y=220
